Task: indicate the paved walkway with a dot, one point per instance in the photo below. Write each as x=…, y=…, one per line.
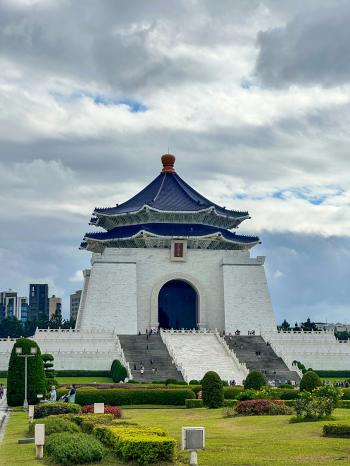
x=3, y=415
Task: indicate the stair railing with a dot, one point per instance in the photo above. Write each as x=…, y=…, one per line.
x=242, y=367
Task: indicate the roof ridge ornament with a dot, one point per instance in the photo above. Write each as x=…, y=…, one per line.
x=168, y=161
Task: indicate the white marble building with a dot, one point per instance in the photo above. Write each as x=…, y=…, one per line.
x=171, y=258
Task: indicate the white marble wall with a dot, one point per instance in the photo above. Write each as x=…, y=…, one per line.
x=318, y=350
x=124, y=284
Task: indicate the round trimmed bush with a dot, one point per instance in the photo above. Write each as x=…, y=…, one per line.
x=66, y=448
x=255, y=380
x=50, y=409
x=212, y=390
x=15, y=377
x=118, y=371
x=310, y=381
x=55, y=424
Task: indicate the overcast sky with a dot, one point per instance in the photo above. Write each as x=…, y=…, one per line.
x=253, y=98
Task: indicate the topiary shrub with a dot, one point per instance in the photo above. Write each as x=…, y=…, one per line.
x=248, y=394
x=114, y=410
x=54, y=424
x=67, y=449
x=212, y=390
x=118, y=371
x=310, y=381
x=51, y=409
x=262, y=407
x=255, y=380
x=15, y=377
x=192, y=403
x=336, y=430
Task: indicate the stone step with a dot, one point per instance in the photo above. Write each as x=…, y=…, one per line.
x=136, y=352
x=246, y=349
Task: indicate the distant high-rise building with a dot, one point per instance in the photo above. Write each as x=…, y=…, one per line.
x=38, y=300
x=22, y=308
x=74, y=304
x=55, y=306
x=8, y=304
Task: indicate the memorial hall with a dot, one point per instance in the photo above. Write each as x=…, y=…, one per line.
x=172, y=282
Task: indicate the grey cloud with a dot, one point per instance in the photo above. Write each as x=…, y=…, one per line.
x=312, y=48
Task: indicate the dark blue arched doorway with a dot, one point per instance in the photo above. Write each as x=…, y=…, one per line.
x=177, y=305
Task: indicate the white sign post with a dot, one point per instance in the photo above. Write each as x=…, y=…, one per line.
x=39, y=440
x=193, y=439
x=99, y=408
x=31, y=412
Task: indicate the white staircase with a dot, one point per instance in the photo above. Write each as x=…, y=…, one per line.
x=197, y=352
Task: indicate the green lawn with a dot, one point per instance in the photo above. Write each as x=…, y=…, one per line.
x=249, y=441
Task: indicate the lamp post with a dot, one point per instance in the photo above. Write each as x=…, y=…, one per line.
x=33, y=352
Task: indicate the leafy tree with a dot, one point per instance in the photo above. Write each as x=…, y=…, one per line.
x=11, y=327
x=212, y=390
x=308, y=326
x=310, y=381
x=285, y=326
x=15, y=376
x=255, y=380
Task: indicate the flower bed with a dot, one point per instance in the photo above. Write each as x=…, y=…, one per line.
x=114, y=410
x=261, y=407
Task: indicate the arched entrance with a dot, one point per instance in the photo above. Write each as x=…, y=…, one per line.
x=177, y=305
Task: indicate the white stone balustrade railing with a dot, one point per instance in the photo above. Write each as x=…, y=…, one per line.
x=240, y=365
x=178, y=365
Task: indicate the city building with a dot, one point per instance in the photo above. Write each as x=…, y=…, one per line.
x=8, y=304
x=22, y=308
x=55, y=306
x=74, y=304
x=38, y=300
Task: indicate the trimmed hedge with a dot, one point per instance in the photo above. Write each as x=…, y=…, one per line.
x=118, y=371
x=346, y=393
x=3, y=374
x=130, y=396
x=336, y=430
x=333, y=374
x=66, y=448
x=231, y=393
x=193, y=403
x=345, y=404
x=230, y=403
x=73, y=373
x=145, y=445
x=51, y=409
x=285, y=394
x=54, y=424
